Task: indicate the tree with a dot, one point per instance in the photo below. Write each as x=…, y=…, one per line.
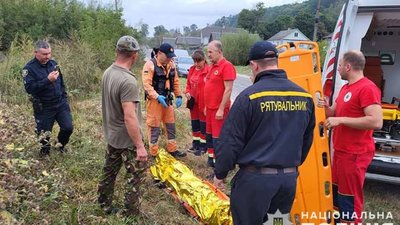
x=160, y=30
x=305, y=23
x=250, y=19
x=267, y=30
x=144, y=30
x=193, y=27
x=186, y=30
x=246, y=20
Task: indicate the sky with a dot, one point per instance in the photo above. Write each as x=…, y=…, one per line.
x=174, y=14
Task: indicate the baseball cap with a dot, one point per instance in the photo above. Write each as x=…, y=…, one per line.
x=167, y=49
x=262, y=50
x=127, y=43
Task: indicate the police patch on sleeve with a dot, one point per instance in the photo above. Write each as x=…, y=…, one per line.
x=24, y=73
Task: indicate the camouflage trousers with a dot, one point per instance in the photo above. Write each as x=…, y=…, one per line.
x=134, y=178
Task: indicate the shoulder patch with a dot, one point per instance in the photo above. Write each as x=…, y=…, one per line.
x=24, y=73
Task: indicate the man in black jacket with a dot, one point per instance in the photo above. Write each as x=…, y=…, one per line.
x=44, y=82
x=268, y=133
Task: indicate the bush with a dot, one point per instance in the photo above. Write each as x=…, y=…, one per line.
x=237, y=46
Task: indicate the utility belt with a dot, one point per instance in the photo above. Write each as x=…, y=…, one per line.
x=36, y=103
x=268, y=170
x=39, y=105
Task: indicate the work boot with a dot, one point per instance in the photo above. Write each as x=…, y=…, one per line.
x=210, y=162
x=210, y=177
x=196, y=152
x=201, y=151
x=178, y=154
x=110, y=210
x=44, y=151
x=60, y=148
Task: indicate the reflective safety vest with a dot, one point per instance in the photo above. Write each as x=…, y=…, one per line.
x=160, y=79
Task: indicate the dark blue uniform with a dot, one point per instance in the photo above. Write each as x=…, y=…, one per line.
x=268, y=133
x=49, y=101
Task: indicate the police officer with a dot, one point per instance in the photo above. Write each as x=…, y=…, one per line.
x=45, y=84
x=161, y=84
x=268, y=133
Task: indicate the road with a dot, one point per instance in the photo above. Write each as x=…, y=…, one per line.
x=241, y=82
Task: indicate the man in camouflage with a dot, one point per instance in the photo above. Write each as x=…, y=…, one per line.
x=121, y=116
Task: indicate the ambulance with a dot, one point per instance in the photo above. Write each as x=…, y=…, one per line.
x=372, y=27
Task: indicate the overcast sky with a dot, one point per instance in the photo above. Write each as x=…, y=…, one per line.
x=178, y=13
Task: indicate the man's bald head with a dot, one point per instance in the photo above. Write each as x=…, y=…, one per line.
x=355, y=58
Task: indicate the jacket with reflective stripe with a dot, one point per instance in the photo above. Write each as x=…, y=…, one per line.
x=270, y=124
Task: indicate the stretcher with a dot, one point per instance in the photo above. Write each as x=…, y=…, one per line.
x=200, y=198
x=314, y=201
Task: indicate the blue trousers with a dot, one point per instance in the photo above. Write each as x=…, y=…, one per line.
x=254, y=195
x=48, y=115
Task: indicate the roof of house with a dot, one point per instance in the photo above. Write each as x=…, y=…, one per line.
x=191, y=41
x=169, y=40
x=215, y=36
x=206, y=31
x=283, y=33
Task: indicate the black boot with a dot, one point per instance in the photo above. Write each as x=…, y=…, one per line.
x=44, y=151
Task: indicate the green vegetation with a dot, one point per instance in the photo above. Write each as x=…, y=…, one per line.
x=236, y=46
x=245, y=70
x=267, y=21
x=96, y=26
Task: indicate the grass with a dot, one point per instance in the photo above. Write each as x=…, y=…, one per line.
x=245, y=70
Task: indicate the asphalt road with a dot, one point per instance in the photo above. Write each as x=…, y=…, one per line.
x=241, y=82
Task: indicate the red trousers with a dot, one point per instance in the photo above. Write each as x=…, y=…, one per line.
x=213, y=129
x=198, y=121
x=348, y=175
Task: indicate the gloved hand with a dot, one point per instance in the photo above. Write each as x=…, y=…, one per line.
x=161, y=100
x=178, y=101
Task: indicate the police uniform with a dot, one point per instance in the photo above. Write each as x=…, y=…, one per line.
x=49, y=101
x=268, y=133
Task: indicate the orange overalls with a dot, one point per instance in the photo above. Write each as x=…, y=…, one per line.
x=160, y=80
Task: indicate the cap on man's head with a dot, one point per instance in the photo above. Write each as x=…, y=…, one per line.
x=262, y=50
x=167, y=49
x=127, y=43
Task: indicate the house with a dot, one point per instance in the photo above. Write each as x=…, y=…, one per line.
x=211, y=33
x=289, y=35
x=169, y=40
x=191, y=43
x=328, y=37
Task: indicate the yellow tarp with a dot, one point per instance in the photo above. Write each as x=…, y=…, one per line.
x=211, y=207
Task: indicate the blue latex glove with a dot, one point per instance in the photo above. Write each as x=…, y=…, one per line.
x=161, y=100
x=178, y=102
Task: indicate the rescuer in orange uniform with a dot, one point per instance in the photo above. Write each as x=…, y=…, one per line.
x=161, y=85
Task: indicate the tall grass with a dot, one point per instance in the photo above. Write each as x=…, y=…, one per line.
x=79, y=64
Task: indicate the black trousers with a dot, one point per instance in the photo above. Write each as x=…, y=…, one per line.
x=254, y=195
x=46, y=117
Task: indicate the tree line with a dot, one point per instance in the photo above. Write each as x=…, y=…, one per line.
x=97, y=25
x=266, y=22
